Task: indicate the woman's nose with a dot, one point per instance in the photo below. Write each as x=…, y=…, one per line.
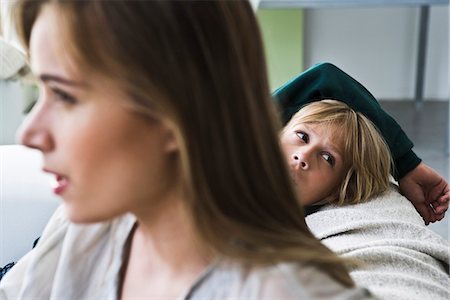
x=34, y=131
x=300, y=161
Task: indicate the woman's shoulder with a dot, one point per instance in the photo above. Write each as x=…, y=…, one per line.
x=64, y=255
x=297, y=279
x=279, y=281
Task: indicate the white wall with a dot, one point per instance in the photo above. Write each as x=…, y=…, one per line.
x=12, y=104
x=378, y=46
x=26, y=201
x=437, y=84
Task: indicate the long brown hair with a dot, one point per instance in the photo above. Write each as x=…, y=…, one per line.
x=200, y=65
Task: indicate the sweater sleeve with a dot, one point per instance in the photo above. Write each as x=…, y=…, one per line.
x=326, y=81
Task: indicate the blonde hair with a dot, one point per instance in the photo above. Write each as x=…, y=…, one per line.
x=200, y=66
x=366, y=154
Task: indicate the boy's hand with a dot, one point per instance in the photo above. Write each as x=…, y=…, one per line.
x=428, y=192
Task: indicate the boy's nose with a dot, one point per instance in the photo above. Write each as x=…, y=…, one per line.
x=301, y=161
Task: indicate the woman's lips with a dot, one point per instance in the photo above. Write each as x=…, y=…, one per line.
x=59, y=184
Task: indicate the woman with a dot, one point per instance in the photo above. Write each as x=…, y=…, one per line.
x=338, y=159
x=156, y=122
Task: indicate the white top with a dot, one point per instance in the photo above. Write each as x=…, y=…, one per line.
x=403, y=259
x=83, y=262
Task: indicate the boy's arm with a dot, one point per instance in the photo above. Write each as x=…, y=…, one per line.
x=326, y=81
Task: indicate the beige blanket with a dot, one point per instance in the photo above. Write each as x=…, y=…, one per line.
x=403, y=258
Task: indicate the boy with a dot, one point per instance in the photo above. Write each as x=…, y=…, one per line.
x=338, y=158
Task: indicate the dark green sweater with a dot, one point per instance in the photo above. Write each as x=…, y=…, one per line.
x=326, y=81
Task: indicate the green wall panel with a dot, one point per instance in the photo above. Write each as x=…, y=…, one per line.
x=282, y=31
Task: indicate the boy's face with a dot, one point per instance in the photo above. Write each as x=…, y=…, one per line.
x=315, y=157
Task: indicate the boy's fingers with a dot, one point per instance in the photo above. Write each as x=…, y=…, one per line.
x=426, y=212
x=439, y=210
x=444, y=199
x=440, y=217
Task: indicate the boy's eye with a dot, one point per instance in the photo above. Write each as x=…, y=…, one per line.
x=328, y=158
x=303, y=136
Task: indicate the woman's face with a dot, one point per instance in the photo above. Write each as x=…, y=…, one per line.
x=315, y=158
x=107, y=160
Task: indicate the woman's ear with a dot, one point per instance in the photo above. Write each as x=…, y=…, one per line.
x=170, y=139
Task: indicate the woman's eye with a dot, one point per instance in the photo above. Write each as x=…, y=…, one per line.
x=64, y=97
x=303, y=136
x=328, y=158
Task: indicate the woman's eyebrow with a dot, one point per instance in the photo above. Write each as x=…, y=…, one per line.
x=59, y=79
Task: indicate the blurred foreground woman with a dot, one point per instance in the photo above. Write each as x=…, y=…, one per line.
x=155, y=119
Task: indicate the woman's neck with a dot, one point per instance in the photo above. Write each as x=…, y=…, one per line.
x=169, y=238
x=166, y=255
